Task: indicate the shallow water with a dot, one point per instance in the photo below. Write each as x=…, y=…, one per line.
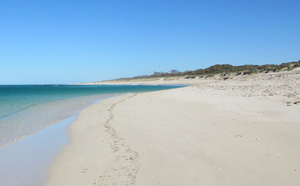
x=25, y=162
x=39, y=116
x=25, y=110
x=34, y=122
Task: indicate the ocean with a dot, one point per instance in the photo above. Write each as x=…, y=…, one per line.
x=26, y=109
x=34, y=121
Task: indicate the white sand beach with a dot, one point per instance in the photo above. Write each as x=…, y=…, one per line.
x=241, y=131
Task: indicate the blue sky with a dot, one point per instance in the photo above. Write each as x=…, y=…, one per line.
x=68, y=41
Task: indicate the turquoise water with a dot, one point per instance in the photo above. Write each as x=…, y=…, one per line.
x=27, y=109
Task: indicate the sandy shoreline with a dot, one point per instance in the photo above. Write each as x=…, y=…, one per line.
x=243, y=131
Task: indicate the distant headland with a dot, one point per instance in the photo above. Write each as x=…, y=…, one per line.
x=224, y=70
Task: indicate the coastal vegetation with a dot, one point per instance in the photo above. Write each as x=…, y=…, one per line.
x=223, y=69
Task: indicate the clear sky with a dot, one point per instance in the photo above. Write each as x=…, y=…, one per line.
x=68, y=41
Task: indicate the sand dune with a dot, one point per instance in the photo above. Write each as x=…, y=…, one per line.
x=241, y=131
